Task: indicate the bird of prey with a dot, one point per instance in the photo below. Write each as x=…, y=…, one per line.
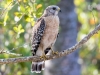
x=44, y=35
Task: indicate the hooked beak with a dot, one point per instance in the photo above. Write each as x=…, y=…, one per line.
x=59, y=9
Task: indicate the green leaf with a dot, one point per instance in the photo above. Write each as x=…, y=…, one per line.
x=22, y=30
x=15, y=29
x=22, y=8
x=18, y=14
x=19, y=27
x=5, y=19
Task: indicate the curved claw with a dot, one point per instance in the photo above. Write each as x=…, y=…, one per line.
x=43, y=56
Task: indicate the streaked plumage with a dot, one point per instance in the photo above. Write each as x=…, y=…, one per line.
x=44, y=35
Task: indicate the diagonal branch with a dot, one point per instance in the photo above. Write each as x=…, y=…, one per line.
x=48, y=57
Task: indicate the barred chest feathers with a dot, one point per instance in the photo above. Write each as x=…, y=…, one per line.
x=51, y=30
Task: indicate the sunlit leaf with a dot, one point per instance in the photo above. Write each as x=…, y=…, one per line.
x=18, y=14
x=28, y=19
x=22, y=8
x=8, y=2
x=78, y=2
x=39, y=6
x=32, y=23
x=19, y=27
x=19, y=73
x=5, y=18
x=22, y=30
x=15, y=29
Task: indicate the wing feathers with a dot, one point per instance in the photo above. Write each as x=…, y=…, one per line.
x=37, y=36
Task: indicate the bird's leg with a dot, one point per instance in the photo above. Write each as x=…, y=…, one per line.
x=43, y=55
x=54, y=52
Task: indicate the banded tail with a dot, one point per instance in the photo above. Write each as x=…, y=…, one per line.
x=37, y=66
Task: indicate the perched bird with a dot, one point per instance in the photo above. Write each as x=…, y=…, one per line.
x=44, y=35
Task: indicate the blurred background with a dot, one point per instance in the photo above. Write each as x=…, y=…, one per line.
x=78, y=18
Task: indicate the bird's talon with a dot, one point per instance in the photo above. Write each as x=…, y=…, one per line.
x=43, y=57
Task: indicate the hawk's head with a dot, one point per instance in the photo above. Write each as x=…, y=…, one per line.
x=52, y=10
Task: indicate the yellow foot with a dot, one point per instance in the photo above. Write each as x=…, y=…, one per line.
x=43, y=56
x=53, y=52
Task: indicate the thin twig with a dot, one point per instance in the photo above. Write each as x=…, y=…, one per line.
x=8, y=52
x=5, y=9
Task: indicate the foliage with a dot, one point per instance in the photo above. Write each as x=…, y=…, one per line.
x=88, y=16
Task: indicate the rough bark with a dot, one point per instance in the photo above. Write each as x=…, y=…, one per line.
x=67, y=65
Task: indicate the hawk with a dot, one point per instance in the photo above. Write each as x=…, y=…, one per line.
x=44, y=35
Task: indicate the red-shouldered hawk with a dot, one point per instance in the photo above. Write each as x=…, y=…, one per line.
x=44, y=35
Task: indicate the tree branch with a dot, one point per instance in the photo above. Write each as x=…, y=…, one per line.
x=48, y=57
x=8, y=52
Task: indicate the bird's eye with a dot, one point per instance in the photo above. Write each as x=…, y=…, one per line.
x=54, y=8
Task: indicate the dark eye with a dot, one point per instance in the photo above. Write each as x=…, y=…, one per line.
x=54, y=8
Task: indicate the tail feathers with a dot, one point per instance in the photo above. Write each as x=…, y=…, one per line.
x=37, y=67
x=43, y=66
